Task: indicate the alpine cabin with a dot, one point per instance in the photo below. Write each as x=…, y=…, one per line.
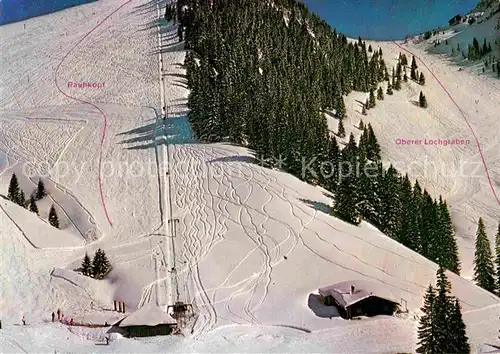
x=359, y=298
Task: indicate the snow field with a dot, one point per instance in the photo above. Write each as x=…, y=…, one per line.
x=237, y=220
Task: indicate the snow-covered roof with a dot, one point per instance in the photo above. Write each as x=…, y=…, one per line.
x=148, y=315
x=363, y=289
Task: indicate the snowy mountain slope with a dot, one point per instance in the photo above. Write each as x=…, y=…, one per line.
x=462, y=35
x=455, y=171
x=237, y=220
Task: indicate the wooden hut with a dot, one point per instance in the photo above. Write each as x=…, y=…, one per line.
x=359, y=298
x=149, y=320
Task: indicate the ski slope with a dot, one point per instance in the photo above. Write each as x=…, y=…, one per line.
x=251, y=245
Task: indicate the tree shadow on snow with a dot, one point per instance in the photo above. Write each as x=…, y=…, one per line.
x=174, y=47
x=173, y=130
x=327, y=209
x=315, y=303
x=236, y=158
x=180, y=76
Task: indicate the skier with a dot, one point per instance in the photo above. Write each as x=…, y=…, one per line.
x=53, y=316
x=58, y=314
x=107, y=340
x=24, y=321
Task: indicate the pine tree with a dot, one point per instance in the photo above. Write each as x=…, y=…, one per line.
x=497, y=258
x=53, y=219
x=442, y=311
x=341, y=130
x=21, y=199
x=448, y=248
x=484, y=50
x=372, y=100
x=459, y=340
x=422, y=101
x=427, y=341
x=100, y=264
x=13, y=192
x=390, y=210
x=402, y=59
x=408, y=233
x=363, y=110
x=397, y=84
x=32, y=205
x=421, y=79
x=413, y=73
x=40, y=190
x=340, y=108
x=441, y=329
x=405, y=76
x=367, y=104
x=483, y=260
x=370, y=48
x=373, y=153
x=87, y=265
x=346, y=197
x=389, y=89
x=380, y=94
x=361, y=125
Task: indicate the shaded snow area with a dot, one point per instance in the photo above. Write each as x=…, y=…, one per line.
x=205, y=224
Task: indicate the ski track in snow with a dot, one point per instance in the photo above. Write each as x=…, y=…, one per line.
x=103, y=135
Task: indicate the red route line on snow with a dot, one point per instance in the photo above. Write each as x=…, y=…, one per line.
x=103, y=136
x=463, y=115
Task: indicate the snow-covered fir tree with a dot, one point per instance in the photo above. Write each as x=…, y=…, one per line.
x=483, y=260
x=389, y=88
x=459, y=342
x=397, y=83
x=22, y=199
x=13, y=193
x=380, y=94
x=422, y=100
x=53, y=219
x=372, y=101
x=403, y=59
x=361, y=125
x=32, y=205
x=448, y=248
x=40, y=190
x=427, y=336
x=341, y=129
x=87, y=265
x=373, y=151
x=100, y=264
x=421, y=79
x=346, y=197
x=414, y=66
x=448, y=322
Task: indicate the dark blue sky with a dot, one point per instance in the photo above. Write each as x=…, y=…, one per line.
x=17, y=10
x=387, y=19
x=374, y=19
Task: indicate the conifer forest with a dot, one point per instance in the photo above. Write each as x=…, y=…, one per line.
x=262, y=75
